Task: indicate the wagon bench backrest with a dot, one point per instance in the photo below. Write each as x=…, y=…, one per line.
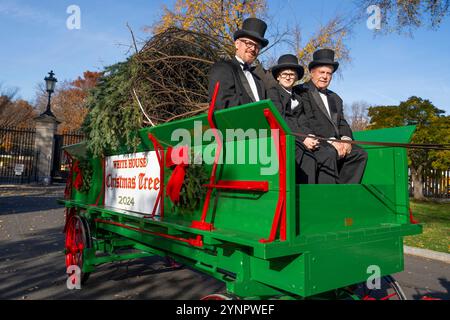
x=381, y=199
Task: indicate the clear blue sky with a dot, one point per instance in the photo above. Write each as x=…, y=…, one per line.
x=384, y=70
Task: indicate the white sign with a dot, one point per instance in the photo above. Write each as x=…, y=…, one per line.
x=18, y=169
x=132, y=182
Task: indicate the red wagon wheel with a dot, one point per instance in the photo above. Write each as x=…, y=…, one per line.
x=78, y=238
x=389, y=290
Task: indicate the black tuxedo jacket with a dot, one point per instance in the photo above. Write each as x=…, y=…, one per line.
x=311, y=117
x=234, y=87
x=282, y=100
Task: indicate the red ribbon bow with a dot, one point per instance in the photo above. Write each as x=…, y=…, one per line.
x=178, y=157
x=79, y=179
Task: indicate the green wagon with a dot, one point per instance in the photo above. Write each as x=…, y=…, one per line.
x=253, y=228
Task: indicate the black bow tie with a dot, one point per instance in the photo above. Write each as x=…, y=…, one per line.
x=323, y=91
x=247, y=67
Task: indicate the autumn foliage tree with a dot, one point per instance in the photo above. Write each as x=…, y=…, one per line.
x=216, y=18
x=221, y=18
x=331, y=35
x=69, y=102
x=15, y=112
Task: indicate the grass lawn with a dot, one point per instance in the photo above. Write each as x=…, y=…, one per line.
x=435, y=218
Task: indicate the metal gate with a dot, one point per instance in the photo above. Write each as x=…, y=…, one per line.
x=60, y=168
x=17, y=155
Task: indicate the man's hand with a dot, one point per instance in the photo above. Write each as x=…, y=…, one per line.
x=311, y=143
x=348, y=146
x=341, y=149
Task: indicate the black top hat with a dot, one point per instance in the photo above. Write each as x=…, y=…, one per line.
x=323, y=57
x=288, y=61
x=253, y=28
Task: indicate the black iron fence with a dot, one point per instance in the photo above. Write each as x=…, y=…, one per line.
x=435, y=184
x=17, y=155
x=60, y=168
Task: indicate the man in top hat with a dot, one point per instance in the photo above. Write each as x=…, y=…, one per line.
x=284, y=94
x=238, y=82
x=321, y=114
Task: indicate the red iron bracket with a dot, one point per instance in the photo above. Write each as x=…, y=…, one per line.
x=202, y=224
x=160, y=155
x=411, y=218
x=279, y=138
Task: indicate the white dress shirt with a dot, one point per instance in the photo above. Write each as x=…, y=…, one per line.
x=325, y=102
x=250, y=79
x=294, y=102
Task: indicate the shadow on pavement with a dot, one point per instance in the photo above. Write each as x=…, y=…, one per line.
x=34, y=268
x=29, y=203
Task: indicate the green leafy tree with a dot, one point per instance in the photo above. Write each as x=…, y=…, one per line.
x=433, y=127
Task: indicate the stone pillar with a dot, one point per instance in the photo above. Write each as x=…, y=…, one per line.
x=44, y=144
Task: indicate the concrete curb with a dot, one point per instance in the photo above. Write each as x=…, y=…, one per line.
x=424, y=253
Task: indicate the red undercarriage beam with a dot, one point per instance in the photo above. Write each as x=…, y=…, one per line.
x=197, y=242
x=257, y=186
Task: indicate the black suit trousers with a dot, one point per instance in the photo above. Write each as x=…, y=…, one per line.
x=323, y=165
x=306, y=165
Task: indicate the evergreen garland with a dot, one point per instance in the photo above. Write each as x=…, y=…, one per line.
x=193, y=190
x=86, y=172
x=114, y=116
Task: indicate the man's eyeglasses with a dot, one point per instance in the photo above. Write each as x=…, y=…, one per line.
x=287, y=75
x=250, y=44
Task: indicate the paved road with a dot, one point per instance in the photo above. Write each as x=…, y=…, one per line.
x=32, y=261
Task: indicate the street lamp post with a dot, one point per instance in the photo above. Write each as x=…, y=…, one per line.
x=50, y=82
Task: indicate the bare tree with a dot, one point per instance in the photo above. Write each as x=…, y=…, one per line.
x=357, y=115
x=171, y=73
